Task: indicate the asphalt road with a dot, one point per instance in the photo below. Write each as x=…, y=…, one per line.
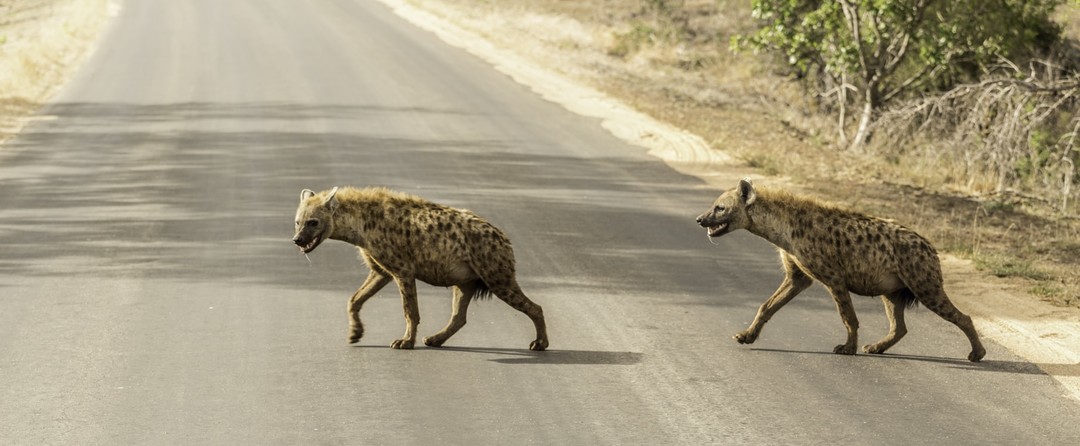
x=149, y=292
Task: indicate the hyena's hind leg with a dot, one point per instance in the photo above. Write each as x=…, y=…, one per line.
x=894, y=310
x=922, y=275
x=463, y=294
x=937, y=301
x=511, y=293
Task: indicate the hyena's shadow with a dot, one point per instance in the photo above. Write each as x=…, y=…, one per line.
x=558, y=357
x=1017, y=367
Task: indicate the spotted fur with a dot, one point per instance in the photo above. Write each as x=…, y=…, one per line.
x=845, y=251
x=405, y=238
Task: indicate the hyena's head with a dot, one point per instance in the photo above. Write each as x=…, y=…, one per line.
x=314, y=218
x=728, y=212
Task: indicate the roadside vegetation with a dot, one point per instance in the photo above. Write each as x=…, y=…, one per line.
x=959, y=119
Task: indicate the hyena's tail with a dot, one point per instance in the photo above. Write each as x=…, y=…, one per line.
x=491, y=256
x=482, y=292
x=909, y=298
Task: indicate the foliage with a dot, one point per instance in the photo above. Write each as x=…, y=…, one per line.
x=870, y=52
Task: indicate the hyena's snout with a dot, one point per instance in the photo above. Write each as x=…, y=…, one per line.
x=713, y=225
x=306, y=242
x=701, y=220
x=707, y=220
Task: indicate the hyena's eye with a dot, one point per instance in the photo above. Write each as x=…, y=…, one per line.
x=312, y=223
x=719, y=209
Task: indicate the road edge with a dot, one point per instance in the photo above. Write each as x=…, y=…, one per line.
x=1043, y=334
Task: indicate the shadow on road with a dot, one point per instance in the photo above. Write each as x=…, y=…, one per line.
x=557, y=357
x=561, y=357
x=1019, y=367
x=207, y=192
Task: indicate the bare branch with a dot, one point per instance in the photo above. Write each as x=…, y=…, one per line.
x=998, y=129
x=851, y=13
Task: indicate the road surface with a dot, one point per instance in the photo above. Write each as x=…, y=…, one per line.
x=149, y=292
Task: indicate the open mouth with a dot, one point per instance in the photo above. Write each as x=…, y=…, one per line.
x=717, y=230
x=310, y=246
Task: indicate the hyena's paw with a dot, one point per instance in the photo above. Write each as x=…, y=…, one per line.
x=355, y=335
x=844, y=349
x=538, y=345
x=874, y=349
x=434, y=341
x=745, y=337
x=977, y=354
x=402, y=344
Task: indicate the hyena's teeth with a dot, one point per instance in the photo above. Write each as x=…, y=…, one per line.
x=714, y=229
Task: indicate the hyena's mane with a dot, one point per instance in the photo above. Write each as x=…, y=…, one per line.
x=792, y=204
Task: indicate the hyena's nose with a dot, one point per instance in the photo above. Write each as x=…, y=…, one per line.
x=700, y=218
x=296, y=240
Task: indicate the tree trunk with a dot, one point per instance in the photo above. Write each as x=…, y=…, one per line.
x=841, y=125
x=864, y=126
x=867, y=116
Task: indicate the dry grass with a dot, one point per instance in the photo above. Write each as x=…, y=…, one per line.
x=1069, y=16
x=670, y=59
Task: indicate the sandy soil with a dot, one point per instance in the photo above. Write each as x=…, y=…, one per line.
x=1044, y=334
x=42, y=42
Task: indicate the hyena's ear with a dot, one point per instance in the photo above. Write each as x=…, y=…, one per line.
x=331, y=201
x=306, y=193
x=747, y=192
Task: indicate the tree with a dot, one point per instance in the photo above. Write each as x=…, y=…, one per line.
x=870, y=52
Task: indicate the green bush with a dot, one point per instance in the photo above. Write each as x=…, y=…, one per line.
x=870, y=52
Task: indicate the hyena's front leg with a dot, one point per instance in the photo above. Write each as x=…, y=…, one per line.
x=375, y=281
x=407, y=285
x=851, y=323
x=794, y=283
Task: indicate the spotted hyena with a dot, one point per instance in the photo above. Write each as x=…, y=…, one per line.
x=405, y=238
x=845, y=251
